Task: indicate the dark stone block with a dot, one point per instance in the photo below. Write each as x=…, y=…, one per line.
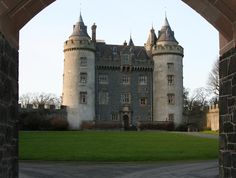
x=223, y=68
x=228, y=127
x=223, y=105
x=233, y=173
x=234, y=80
x=234, y=160
x=231, y=102
x=232, y=65
x=225, y=88
x=226, y=159
x=232, y=137
x=227, y=173
x=223, y=141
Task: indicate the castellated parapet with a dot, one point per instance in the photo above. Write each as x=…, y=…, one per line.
x=166, y=48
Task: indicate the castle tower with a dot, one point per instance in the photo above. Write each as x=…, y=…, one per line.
x=167, y=77
x=79, y=76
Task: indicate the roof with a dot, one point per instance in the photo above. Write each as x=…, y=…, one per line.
x=166, y=34
x=110, y=51
x=80, y=29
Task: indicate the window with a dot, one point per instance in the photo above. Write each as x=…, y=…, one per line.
x=171, y=117
x=103, y=97
x=83, y=97
x=114, y=116
x=142, y=80
x=125, y=80
x=171, y=98
x=126, y=59
x=83, y=78
x=83, y=61
x=103, y=79
x=170, y=66
x=143, y=101
x=170, y=79
x=125, y=98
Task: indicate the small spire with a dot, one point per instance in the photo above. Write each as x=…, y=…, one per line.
x=80, y=17
x=131, y=43
x=166, y=23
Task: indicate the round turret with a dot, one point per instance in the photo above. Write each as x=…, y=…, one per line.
x=167, y=77
x=79, y=76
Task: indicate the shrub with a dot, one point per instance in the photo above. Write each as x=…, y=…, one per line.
x=87, y=125
x=59, y=123
x=30, y=121
x=182, y=128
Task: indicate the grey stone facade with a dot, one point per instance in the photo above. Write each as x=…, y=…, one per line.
x=8, y=109
x=227, y=157
x=123, y=66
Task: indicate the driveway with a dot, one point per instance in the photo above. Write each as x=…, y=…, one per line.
x=204, y=169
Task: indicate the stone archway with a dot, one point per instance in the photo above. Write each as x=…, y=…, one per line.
x=15, y=14
x=126, y=122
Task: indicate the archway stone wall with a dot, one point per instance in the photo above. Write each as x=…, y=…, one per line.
x=14, y=14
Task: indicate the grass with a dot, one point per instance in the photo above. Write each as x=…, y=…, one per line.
x=115, y=146
x=211, y=132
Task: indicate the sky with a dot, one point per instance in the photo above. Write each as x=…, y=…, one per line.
x=41, y=39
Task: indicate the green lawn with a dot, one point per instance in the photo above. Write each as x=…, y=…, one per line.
x=115, y=146
x=211, y=132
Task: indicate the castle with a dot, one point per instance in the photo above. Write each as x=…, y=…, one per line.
x=123, y=84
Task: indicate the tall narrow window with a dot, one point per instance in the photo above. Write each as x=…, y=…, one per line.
x=83, y=78
x=83, y=97
x=83, y=61
x=142, y=80
x=143, y=101
x=170, y=79
x=126, y=59
x=125, y=80
x=171, y=117
x=114, y=116
x=103, y=97
x=171, y=98
x=170, y=66
x=125, y=98
x=103, y=79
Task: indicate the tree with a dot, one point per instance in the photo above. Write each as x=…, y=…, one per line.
x=194, y=106
x=213, y=79
x=37, y=99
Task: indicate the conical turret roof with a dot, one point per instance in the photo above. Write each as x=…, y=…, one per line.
x=80, y=29
x=152, y=38
x=166, y=34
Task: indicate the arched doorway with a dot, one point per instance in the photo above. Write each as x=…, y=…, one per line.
x=15, y=14
x=126, y=122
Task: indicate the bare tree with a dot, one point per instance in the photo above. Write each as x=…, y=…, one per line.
x=25, y=99
x=37, y=99
x=198, y=99
x=213, y=79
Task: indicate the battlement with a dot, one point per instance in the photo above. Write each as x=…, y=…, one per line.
x=30, y=107
x=213, y=108
x=167, y=49
x=73, y=44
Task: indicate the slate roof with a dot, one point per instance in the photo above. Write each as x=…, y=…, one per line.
x=110, y=51
x=166, y=34
x=80, y=29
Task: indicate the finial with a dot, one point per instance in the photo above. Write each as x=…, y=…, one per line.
x=165, y=12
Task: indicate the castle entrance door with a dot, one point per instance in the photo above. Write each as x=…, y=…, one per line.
x=126, y=122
